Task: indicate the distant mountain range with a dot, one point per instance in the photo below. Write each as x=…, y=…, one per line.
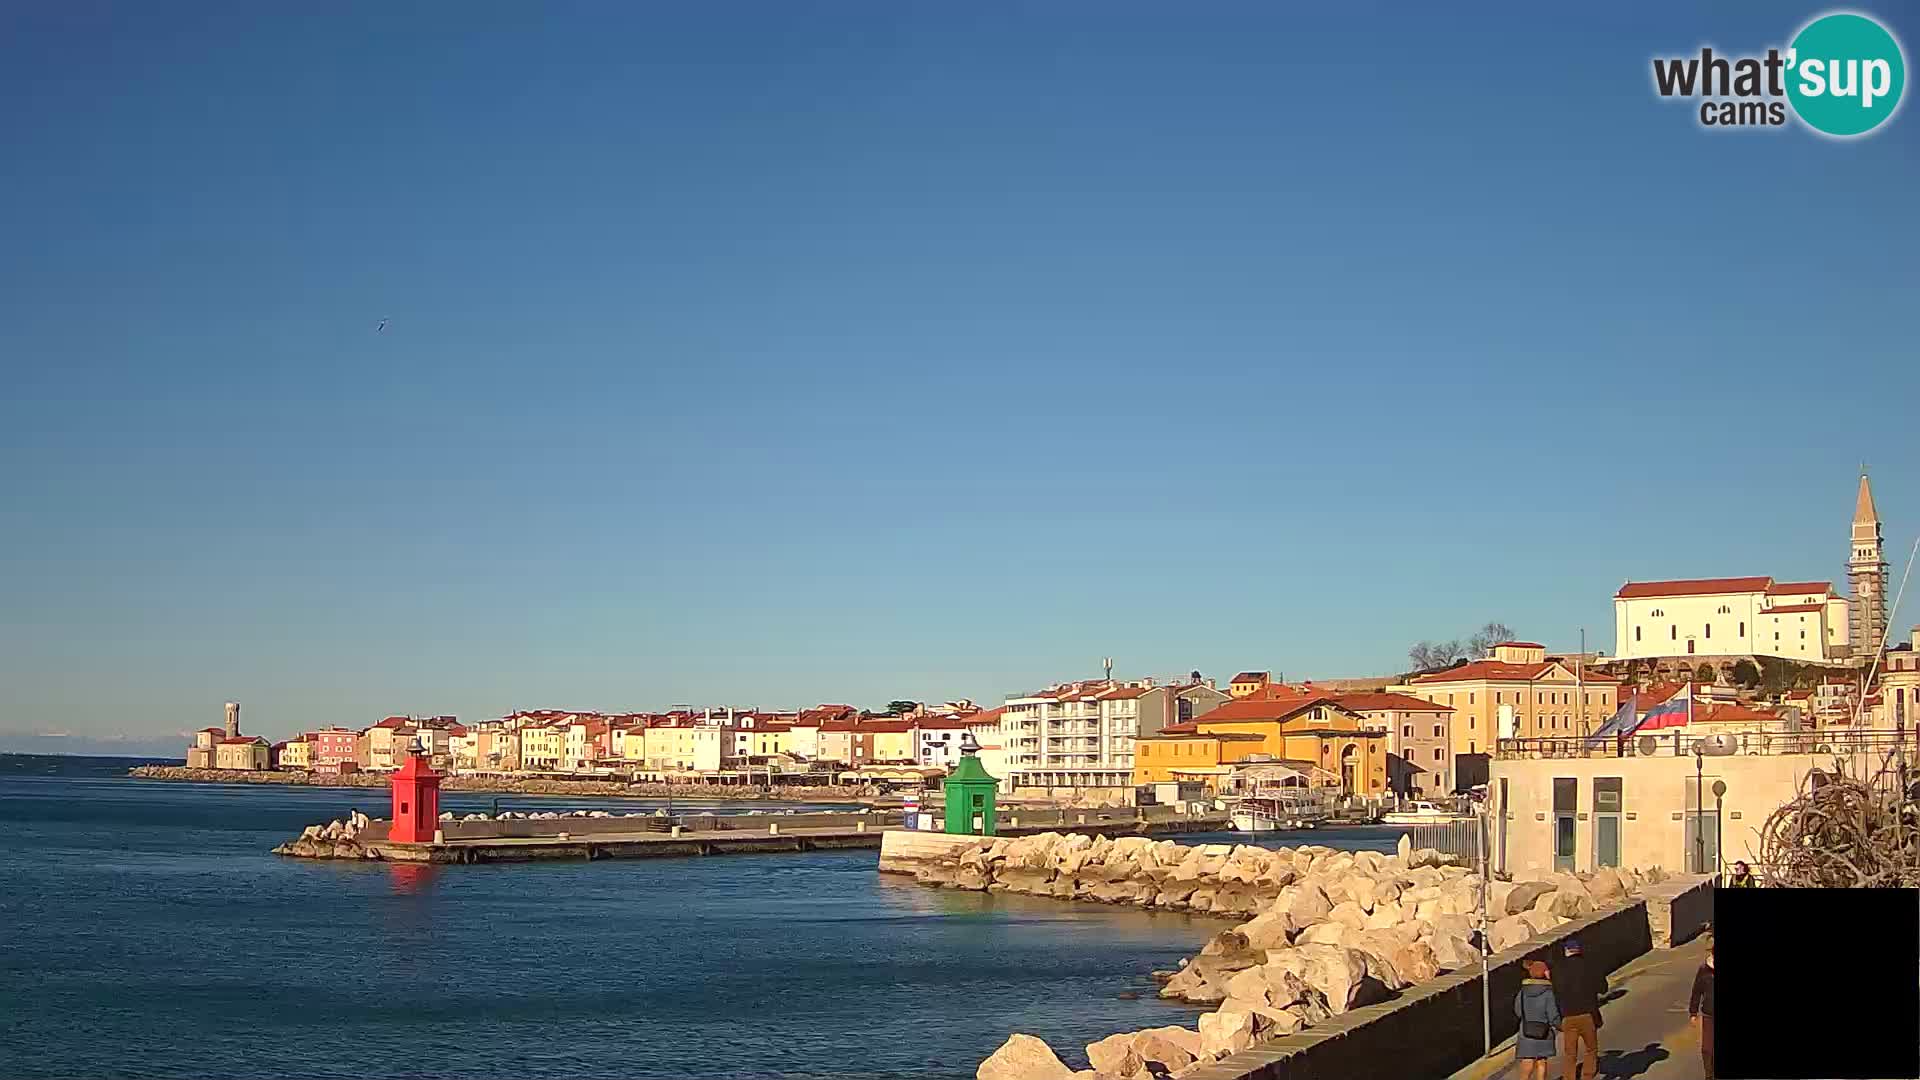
x=136, y=746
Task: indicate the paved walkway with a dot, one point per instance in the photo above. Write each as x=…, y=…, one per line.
x=1647, y=1034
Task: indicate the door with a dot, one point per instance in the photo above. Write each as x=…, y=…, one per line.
x=1502, y=821
x=1566, y=794
x=1703, y=843
x=1606, y=840
x=1606, y=821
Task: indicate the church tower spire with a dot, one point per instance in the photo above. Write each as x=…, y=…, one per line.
x=1866, y=576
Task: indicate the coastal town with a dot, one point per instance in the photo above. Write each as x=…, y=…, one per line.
x=1764, y=671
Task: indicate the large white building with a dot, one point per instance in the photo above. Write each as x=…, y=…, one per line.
x=1081, y=735
x=1743, y=616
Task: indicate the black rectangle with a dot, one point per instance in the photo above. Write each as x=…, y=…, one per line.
x=1816, y=983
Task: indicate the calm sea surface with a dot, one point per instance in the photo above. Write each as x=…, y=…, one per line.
x=148, y=932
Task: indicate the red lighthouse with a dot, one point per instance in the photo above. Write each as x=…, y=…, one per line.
x=416, y=802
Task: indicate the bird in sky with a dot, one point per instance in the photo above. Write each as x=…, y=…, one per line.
x=382, y=328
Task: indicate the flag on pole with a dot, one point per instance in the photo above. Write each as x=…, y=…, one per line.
x=1676, y=711
x=1620, y=723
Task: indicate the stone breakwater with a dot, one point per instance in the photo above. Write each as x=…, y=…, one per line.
x=1325, y=931
x=510, y=785
x=339, y=839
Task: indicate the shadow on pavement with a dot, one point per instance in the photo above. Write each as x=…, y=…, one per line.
x=1621, y=1064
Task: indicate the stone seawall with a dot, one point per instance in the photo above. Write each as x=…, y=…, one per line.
x=1326, y=932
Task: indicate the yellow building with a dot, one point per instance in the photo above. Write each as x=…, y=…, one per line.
x=892, y=739
x=765, y=741
x=293, y=754
x=542, y=746
x=246, y=752
x=1543, y=697
x=1181, y=754
x=1313, y=730
x=1248, y=683
x=688, y=749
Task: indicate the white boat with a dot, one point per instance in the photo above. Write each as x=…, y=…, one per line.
x=1423, y=813
x=1270, y=810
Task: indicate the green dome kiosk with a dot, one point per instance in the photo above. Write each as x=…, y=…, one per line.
x=970, y=793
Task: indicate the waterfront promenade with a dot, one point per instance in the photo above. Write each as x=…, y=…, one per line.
x=1647, y=1035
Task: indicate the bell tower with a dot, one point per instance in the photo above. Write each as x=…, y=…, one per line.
x=1866, y=576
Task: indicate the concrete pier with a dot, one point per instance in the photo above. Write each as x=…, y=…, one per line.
x=585, y=839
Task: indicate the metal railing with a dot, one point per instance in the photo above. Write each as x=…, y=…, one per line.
x=1680, y=744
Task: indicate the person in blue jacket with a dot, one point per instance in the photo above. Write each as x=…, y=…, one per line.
x=1539, y=1013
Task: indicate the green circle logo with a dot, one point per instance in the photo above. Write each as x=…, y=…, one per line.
x=1845, y=73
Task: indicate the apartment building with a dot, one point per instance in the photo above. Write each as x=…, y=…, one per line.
x=1080, y=735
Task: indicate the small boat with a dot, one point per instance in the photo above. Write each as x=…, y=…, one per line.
x=1272, y=810
x=1423, y=813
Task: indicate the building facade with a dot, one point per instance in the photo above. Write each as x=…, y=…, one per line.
x=1805, y=621
x=1538, y=696
x=1419, y=740
x=1081, y=735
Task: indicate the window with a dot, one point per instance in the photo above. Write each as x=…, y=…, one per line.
x=1743, y=630
x=1709, y=631
x=1636, y=633
x=1439, y=754
x=1674, y=631
x=1438, y=731
x=1725, y=610
x=1407, y=732
x=1469, y=699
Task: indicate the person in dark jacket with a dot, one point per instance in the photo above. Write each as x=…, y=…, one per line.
x=1700, y=1008
x=1539, y=1017
x=1742, y=877
x=1578, y=990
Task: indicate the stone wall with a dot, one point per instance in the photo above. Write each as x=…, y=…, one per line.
x=1326, y=932
x=1435, y=1028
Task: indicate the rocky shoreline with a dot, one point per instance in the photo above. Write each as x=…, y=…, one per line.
x=1325, y=931
x=511, y=785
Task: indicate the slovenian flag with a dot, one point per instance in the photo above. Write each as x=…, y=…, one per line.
x=1677, y=712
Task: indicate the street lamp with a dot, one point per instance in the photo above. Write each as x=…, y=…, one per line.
x=1703, y=748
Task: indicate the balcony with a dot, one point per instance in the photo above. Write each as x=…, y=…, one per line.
x=1680, y=744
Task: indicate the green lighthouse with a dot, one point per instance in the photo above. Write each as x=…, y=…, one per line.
x=970, y=793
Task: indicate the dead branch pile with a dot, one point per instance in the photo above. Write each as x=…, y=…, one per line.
x=1839, y=832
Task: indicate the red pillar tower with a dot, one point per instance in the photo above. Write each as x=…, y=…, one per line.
x=416, y=802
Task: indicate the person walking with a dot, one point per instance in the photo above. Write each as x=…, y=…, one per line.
x=1700, y=1009
x=1742, y=877
x=1539, y=1017
x=1577, y=989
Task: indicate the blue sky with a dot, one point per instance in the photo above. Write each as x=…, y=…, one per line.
x=778, y=353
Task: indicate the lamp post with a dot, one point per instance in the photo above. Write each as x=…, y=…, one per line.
x=1699, y=810
x=1486, y=938
x=1719, y=793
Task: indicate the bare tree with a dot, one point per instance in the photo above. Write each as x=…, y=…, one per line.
x=1429, y=655
x=1487, y=637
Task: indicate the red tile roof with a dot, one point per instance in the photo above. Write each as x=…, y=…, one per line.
x=884, y=726
x=1250, y=676
x=392, y=722
x=1376, y=702
x=1790, y=588
x=991, y=716
x=212, y=731
x=1692, y=587
x=1501, y=671
x=1184, y=728
x=943, y=723
x=238, y=739
x=1123, y=693
x=1789, y=609
x=1255, y=708
x=1519, y=645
